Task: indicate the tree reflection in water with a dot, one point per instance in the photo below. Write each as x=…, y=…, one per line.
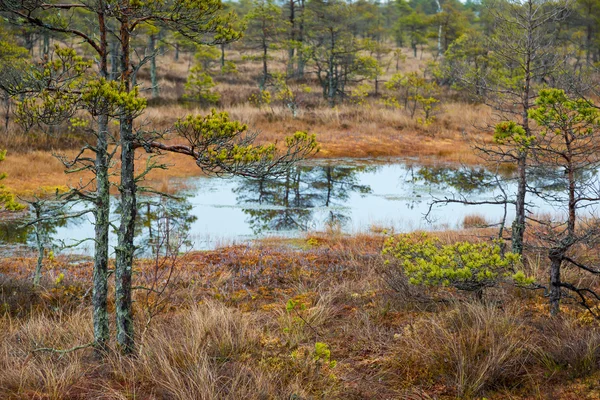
x=21, y=232
x=288, y=203
x=465, y=180
x=170, y=217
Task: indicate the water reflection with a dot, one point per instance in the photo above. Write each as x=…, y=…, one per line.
x=22, y=232
x=163, y=221
x=464, y=180
x=217, y=211
x=290, y=201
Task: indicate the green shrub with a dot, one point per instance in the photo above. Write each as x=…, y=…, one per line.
x=463, y=265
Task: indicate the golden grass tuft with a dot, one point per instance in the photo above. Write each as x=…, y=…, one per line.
x=474, y=221
x=474, y=346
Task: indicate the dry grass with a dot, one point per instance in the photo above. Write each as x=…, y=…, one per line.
x=474, y=221
x=348, y=130
x=474, y=346
x=40, y=173
x=226, y=333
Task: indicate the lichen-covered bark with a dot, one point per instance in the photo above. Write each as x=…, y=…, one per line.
x=102, y=210
x=102, y=215
x=125, y=247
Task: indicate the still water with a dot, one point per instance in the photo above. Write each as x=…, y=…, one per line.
x=351, y=195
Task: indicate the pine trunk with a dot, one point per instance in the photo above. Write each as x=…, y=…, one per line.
x=518, y=226
x=125, y=247
x=555, y=292
x=153, y=74
x=102, y=215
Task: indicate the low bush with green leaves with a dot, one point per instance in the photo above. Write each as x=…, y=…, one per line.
x=424, y=260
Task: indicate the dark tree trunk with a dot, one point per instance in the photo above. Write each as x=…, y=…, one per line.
x=518, y=226
x=153, y=75
x=222, y=56
x=114, y=60
x=45, y=43
x=300, y=38
x=6, y=111
x=265, y=70
x=292, y=20
x=555, y=292
x=39, y=241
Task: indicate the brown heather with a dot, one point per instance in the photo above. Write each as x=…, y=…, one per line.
x=226, y=333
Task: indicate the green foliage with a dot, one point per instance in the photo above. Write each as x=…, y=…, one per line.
x=264, y=24
x=511, y=133
x=7, y=199
x=264, y=29
x=452, y=21
x=414, y=26
x=559, y=114
x=226, y=147
x=468, y=64
x=206, y=56
x=463, y=265
x=290, y=96
x=360, y=93
x=337, y=55
x=322, y=354
x=13, y=60
x=292, y=305
x=199, y=87
x=63, y=84
x=415, y=93
x=261, y=99
x=229, y=68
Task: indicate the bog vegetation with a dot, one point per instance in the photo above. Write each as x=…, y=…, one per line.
x=105, y=97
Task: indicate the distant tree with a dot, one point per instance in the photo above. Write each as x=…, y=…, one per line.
x=414, y=26
x=199, y=85
x=289, y=94
x=394, y=11
x=265, y=28
x=415, y=94
x=468, y=60
x=13, y=58
x=206, y=56
x=295, y=30
x=7, y=199
x=334, y=51
x=452, y=22
x=588, y=13
x=378, y=50
x=153, y=34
